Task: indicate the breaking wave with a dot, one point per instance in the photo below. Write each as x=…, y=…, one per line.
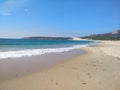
x=33, y=52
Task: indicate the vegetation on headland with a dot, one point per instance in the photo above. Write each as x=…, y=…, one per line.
x=49, y=38
x=108, y=36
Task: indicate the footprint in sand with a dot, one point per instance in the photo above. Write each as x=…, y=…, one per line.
x=57, y=83
x=84, y=83
x=117, y=58
x=16, y=75
x=89, y=75
x=51, y=80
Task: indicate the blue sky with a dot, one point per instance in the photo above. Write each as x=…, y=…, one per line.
x=22, y=18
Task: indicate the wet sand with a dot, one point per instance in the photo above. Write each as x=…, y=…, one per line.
x=18, y=67
x=98, y=69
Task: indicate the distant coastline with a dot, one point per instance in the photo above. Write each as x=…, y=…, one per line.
x=107, y=36
x=48, y=38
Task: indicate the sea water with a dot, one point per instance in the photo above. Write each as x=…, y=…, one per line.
x=15, y=48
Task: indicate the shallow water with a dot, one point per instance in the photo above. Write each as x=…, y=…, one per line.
x=15, y=48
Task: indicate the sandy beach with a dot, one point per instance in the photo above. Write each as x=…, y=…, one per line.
x=98, y=69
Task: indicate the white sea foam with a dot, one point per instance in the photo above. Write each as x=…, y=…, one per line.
x=33, y=52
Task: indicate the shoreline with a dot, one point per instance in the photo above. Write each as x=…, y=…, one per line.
x=98, y=69
x=35, y=52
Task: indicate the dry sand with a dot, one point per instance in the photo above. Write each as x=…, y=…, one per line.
x=99, y=69
x=111, y=48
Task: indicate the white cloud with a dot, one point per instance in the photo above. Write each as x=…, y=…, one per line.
x=9, y=6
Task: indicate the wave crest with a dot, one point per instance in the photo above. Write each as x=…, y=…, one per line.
x=33, y=52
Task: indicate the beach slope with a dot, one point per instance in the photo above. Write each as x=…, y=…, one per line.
x=98, y=69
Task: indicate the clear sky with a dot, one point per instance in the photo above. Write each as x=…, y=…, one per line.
x=22, y=18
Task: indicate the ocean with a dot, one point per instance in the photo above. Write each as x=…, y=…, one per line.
x=16, y=48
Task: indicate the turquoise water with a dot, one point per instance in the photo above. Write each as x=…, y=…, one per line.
x=10, y=48
x=20, y=44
